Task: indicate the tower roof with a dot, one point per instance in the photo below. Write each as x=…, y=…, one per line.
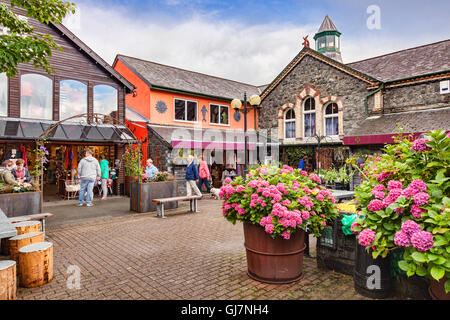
x=327, y=25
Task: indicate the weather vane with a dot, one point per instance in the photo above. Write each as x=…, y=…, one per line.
x=306, y=42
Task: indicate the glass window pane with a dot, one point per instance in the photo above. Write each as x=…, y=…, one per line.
x=321, y=42
x=290, y=129
x=180, y=110
x=330, y=41
x=3, y=95
x=36, y=97
x=313, y=125
x=336, y=126
x=31, y=129
x=191, y=111
x=105, y=99
x=224, y=115
x=72, y=99
x=307, y=125
x=73, y=132
x=214, y=118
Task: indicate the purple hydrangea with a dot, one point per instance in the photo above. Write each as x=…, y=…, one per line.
x=421, y=198
x=416, y=211
x=394, y=184
x=418, y=186
x=401, y=239
x=410, y=227
x=422, y=240
x=420, y=145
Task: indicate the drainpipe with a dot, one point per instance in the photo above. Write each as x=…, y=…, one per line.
x=366, y=98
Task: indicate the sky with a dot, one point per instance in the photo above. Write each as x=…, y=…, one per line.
x=251, y=41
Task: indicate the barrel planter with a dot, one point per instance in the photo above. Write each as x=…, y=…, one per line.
x=335, y=250
x=21, y=204
x=437, y=290
x=142, y=195
x=372, y=277
x=274, y=261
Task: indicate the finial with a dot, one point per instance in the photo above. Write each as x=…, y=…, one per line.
x=306, y=42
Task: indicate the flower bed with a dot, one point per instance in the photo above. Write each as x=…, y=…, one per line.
x=404, y=202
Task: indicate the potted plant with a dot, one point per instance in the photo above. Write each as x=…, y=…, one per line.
x=133, y=165
x=404, y=203
x=276, y=206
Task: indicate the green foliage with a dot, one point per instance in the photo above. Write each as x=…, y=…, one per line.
x=21, y=44
x=133, y=161
x=294, y=154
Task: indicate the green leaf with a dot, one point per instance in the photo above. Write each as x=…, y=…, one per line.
x=437, y=273
x=421, y=271
x=419, y=257
x=447, y=286
x=403, y=265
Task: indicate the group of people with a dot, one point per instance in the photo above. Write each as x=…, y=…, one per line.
x=197, y=177
x=14, y=173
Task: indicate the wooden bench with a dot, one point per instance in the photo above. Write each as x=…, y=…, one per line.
x=160, y=204
x=32, y=217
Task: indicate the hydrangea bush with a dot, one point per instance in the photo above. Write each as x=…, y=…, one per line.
x=280, y=200
x=404, y=202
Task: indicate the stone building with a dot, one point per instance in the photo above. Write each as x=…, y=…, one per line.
x=320, y=104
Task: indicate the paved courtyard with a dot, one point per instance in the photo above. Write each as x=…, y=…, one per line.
x=186, y=256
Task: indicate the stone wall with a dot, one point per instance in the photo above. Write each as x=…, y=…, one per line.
x=160, y=151
x=325, y=79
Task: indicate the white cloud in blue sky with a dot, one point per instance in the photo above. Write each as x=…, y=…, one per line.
x=250, y=41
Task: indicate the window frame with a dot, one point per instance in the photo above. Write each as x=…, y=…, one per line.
x=185, y=110
x=52, y=79
x=309, y=112
x=7, y=95
x=87, y=95
x=330, y=116
x=290, y=121
x=220, y=112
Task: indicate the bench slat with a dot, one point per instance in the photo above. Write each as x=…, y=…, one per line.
x=176, y=199
x=38, y=216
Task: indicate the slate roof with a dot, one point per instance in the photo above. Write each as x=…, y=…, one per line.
x=159, y=75
x=327, y=25
x=426, y=59
x=411, y=122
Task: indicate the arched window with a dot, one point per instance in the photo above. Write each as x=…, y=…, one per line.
x=3, y=95
x=289, y=124
x=332, y=120
x=72, y=99
x=309, y=117
x=105, y=99
x=36, y=97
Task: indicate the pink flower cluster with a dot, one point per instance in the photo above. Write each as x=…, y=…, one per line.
x=420, y=145
x=412, y=233
x=383, y=176
x=315, y=178
x=375, y=205
x=366, y=237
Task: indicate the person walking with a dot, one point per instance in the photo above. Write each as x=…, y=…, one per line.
x=104, y=167
x=89, y=172
x=192, y=177
x=204, y=176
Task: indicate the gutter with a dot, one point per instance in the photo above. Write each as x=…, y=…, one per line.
x=366, y=98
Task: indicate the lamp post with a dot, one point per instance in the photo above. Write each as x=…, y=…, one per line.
x=236, y=104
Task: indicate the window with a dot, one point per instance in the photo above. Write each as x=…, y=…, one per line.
x=105, y=100
x=36, y=97
x=289, y=124
x=337, y=42
x=72, y=99
x=219, y=114
x=330, y=41
x=309, y=111
x=332, y=120
x=185, y=110
x=321, y=42
x=3, y=95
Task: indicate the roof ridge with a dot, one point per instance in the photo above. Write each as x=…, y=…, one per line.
x=178, y=68
x=395, y=52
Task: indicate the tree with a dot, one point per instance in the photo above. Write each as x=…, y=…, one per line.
x=19, y=43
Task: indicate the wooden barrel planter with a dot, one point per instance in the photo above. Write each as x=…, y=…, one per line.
x=366, y=271
x=17, y=242
x=36, y=264
x=437, y=290
x=21, y=204
x=335, y=250
x=8, y=286
x=142, y=195
x=275, y=261
x=22, y=228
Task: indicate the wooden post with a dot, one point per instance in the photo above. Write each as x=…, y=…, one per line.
x=27, y=227
x=17, y=242
x=36, y=264
x=8, y=286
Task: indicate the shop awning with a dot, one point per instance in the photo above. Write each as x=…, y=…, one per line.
x=18, y=129
x=382, y=129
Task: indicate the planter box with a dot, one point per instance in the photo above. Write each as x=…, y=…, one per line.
x=21, y=204
x=335, y=250
x=142, y=194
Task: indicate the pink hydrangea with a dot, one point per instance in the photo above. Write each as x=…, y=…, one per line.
x=401, y=239
x=304, y=173
x=394, y=184
x=418, y=186
x=399, y=211
x=375, y=205
x=227, y=180
x=320, y=197
x=422, y=240
x=378, y=188
x=408, y=192
x=286, y=202
x=269, y=228
x=421, y=198
x=410, y=227
x=380, y=195
x=416, y=211
x=383, y=176
x=366, y=237
x=240, y=189
x=420, y=145
x=286, y=235
x=394, y=194
x=315, y=178
x=305, y=215
x=354, y=224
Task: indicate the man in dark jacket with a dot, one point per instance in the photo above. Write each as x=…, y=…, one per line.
x=192, y=177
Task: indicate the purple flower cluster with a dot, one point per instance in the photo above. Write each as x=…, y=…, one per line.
x=412, y=233
x=420, y=145
x=422, y=240
x=401, y=239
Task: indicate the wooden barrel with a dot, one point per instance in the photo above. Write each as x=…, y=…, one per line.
x=17, y=242
x=372, y=276
x=36, y=264
x=27, y=227
x=273, y=260
x=4, y=250
x=8, y=286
